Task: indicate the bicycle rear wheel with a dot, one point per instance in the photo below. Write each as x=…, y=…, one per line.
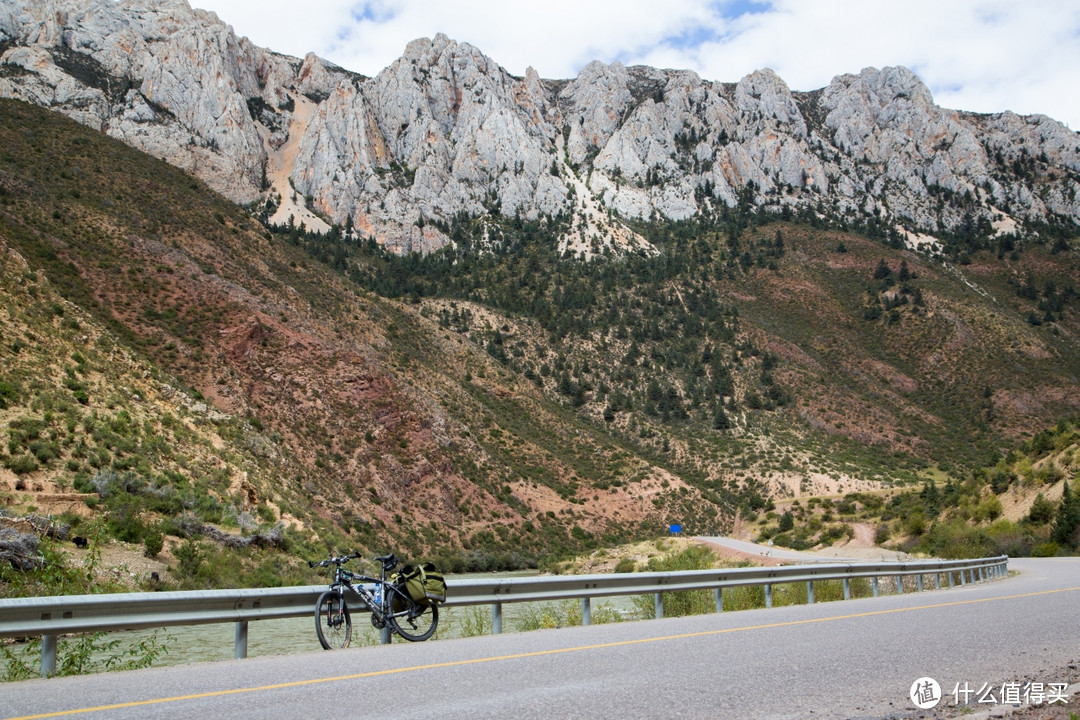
x=333, y=623
x=409, y=619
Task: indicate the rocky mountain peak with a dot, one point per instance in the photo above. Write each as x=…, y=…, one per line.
x=444, y=132
x=763, y=93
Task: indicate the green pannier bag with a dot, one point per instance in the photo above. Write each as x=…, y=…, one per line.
x=424, y=583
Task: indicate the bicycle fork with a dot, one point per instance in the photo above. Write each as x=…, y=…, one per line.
x=335, y=614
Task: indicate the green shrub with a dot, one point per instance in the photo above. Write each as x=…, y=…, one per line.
x=564, y=613
x=1042, y=511
x=473, y=621
x=22, y=464
x=8, y=394
x=882, y=534
x=154, y=541
x=189, y=557
x=687, y=602
x=44, y=451
x=1046, y=549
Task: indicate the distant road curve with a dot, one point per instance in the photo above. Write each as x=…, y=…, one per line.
x=827, y=555
x=847, y=659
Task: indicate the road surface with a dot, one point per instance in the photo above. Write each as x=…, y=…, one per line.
x=853, y=659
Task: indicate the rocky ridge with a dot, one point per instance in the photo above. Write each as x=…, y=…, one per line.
x=444, y=132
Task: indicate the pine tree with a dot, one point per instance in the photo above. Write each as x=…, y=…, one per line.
x=1068, y=517
x=720, y=418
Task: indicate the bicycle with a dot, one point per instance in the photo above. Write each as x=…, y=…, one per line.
x=389, y=604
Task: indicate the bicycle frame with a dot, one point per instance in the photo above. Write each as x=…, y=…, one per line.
x=392, y=609
x=379, y=604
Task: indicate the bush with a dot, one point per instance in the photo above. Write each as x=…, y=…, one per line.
x=188, y=557
x=154, y=542
x=787, y=522
x=22, y=464
x=1041, y=512
x=8, y=394
x=989, y=509
x=1046, y=549
x=882, y=534
x=688, y=602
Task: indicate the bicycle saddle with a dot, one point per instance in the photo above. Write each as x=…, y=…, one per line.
x=389, y=562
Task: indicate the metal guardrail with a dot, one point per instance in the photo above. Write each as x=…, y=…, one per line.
x=50, y=617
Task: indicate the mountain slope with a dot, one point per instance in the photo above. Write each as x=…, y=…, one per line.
x=349, y=414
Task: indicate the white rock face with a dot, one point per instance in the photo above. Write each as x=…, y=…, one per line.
x=445, y=133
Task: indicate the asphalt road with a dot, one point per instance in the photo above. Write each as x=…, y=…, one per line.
x=854, y=659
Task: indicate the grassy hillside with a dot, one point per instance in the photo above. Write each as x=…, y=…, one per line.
x=793, y=349
x=351, y=420
x=172, y=372
x=1028, y=503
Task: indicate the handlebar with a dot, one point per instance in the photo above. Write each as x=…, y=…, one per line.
x=340, y=560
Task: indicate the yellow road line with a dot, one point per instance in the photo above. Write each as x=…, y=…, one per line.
x=518, y=656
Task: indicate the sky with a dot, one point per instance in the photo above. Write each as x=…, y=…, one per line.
x=978, y=55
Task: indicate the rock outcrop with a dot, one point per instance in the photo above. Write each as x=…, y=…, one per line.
x=445, y=133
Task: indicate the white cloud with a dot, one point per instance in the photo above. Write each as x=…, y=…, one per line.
x=980, y=55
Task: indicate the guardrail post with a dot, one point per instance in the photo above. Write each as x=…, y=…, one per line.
x=48, y=655
x=496, y=618
x=874, y=583
x=918, y=582
x=963, y=578
x=899, y=584
x=847, y=588
x=950, y=576
x=240, y=641
x=718, y=598
x=385, y=636
x=658, y=601
x=586, y=611
x=809, y=592
x=768, y=595
x=937, y=581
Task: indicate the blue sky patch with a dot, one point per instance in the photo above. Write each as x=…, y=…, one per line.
x=735, y=9
x=375, y=12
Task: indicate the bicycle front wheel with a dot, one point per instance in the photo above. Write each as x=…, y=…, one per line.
x=333, y=624
x=410, y=620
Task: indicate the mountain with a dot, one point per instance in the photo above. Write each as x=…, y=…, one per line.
x=169, y=361
x=445, y=132
x=587, y=350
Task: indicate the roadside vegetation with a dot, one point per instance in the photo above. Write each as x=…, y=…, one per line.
x=1026, y=504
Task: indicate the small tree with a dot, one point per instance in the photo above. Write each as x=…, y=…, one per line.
x=1068, y=518
x=154, y=542
x=787, y=522
x=720, y=418
x=1041, y=512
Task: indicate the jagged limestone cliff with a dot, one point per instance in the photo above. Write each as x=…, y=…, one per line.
x=445, y=131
